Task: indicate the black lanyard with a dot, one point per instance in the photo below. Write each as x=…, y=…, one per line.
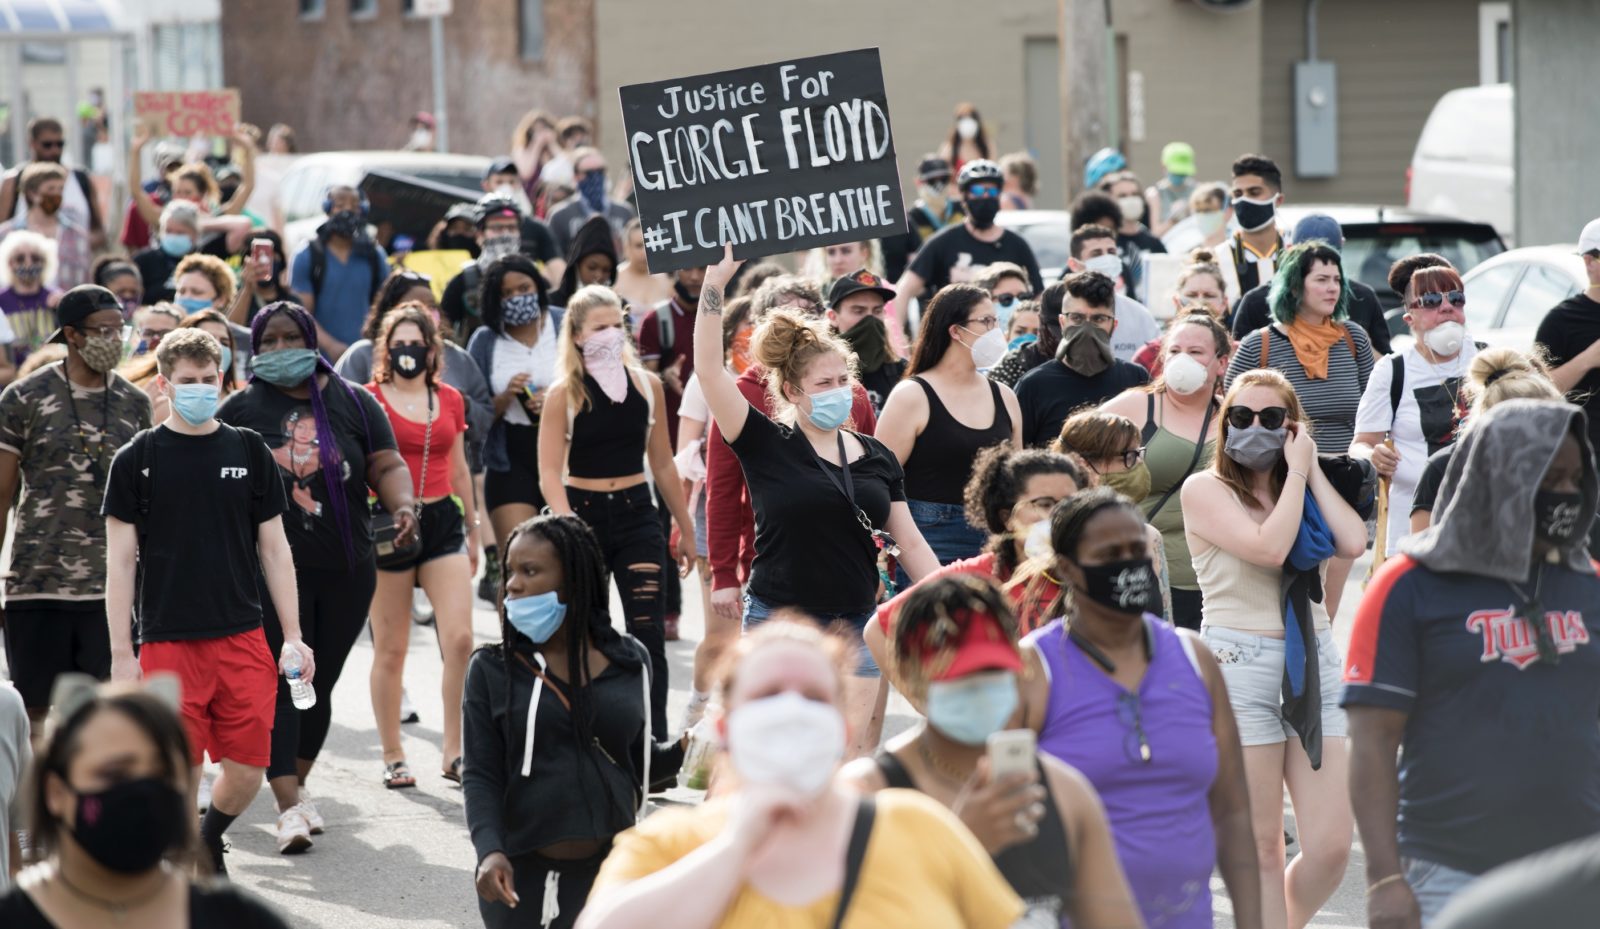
x=848, y=488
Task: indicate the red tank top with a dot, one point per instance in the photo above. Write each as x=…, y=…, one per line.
x=450, y=420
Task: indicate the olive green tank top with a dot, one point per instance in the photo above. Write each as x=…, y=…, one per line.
x=1169, y=457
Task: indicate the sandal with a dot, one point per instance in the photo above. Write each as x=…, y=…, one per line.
x=453, y=773
x=397, y=775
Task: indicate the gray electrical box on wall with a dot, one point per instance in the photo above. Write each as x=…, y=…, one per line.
x=1316, y=119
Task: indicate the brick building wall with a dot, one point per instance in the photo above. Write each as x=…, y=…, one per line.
x=348, y=80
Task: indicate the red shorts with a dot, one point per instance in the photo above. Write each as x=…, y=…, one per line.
x=229, y=694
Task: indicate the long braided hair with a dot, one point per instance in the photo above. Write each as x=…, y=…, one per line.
x=327, y=442
x=585, y=587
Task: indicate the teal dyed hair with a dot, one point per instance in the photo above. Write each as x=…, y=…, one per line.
x=1289, y=284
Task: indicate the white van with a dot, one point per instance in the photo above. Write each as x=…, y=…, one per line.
x=1462, y=166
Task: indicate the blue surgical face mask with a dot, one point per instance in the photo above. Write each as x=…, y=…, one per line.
x=227, y=360
x=176, y=244
x=286, y=367
x=537, y=617
x=830, y=408
x=971, y=709
x=196, y=403
x=1022, y=340
x=193, y=304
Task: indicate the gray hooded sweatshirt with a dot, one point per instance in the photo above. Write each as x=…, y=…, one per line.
x=1483, y=520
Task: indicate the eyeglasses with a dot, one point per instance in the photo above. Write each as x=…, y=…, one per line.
x=984, y=322
x=1099, y=319
x=1128, y=458
x=983, y=190
x=153, y=335
x=51, y=145
x=1240, y=417
x=112, y=331
x=1432, y=301
x=1009, y=300
x=1129, y=713
x=1042, y=503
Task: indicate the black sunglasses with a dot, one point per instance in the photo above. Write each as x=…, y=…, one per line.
x=1007, y=300
x=1432, y=301
x=1240, y=417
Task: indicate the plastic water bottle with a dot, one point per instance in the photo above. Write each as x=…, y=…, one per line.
x=300, y=692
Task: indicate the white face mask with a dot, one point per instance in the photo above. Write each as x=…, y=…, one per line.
x=1445, y=338
x=786, y=740
x=1037, y=542
x=967, y=127
x=1109, y=265
x=1184, y=375
x=1132, y=206
x=1208, y=223
x=989, y=349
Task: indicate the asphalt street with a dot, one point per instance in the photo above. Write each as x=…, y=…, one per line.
x=403, y=858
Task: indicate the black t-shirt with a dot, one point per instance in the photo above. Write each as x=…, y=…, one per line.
x=290, y=431
x=1572, y=326
x=955, y=247
x=878, y=383
x=538, y=242
x=1131, y=246
x=811, y=551
x=1252, y=313
x=203, y=499
x=1432, y=476
x=218, y=906
x=1051, y=392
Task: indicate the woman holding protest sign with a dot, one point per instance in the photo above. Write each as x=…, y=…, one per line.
x=826, y=499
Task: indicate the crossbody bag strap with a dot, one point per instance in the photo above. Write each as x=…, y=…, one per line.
x=848, y=488
x=855, y=856
x=1199, y=449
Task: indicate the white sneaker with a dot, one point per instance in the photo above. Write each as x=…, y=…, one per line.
x=203, y=799
x=313, y=819
x=408, y=713
x=294, y=835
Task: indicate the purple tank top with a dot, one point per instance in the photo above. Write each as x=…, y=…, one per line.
x=1158, y=810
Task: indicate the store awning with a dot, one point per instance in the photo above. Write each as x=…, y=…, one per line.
x=59, y=19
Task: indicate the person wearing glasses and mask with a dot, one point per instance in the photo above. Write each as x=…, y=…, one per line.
x=1008, y=287
x=927, y=421
x=1094, y=248
x=1263, y=522
x=1415, y=399
x=960, y=253
x=58, y=433
x=1140, y=709
x=1085, y=372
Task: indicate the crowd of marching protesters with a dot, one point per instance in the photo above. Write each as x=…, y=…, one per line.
x=1099, y=545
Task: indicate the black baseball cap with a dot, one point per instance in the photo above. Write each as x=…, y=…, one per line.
x=80, y=303
x=933, y=168
x=856, y=283
x=500, y=166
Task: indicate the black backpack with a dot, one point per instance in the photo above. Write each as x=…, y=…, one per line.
x=360, y=248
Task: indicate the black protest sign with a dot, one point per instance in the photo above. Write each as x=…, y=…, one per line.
x=773, y=158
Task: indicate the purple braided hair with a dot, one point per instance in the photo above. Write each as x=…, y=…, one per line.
x=327, y=444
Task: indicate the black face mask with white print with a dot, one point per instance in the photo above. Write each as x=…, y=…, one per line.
x=1124, y=586
x=1558, y=517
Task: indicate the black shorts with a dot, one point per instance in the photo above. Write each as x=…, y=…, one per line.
x=521, y=483
x=443, y=532
x=45, y=638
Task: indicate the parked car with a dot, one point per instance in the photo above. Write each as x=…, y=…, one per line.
x=1509, y=294
x=1462, y=164
x=306, y=183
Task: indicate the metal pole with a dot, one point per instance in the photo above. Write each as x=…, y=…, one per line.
x=441, y=115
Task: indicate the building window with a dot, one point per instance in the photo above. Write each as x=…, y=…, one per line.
x=312, y=9
x=363, y=9
x=186, y=56
x=407, y=7
x=531, y=26
x=1494, y=43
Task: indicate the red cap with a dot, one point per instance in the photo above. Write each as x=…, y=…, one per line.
x=967, y=643
x=425, y=118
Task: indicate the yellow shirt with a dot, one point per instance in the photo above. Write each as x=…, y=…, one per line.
x=922, y=868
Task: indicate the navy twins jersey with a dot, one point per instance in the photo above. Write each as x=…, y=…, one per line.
x=1501, y=753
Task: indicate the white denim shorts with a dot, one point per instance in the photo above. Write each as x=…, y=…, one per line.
x=1252, y=667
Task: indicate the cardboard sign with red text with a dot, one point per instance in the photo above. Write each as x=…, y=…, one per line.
x=188, y=112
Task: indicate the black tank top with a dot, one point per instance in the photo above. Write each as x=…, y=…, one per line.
x=941, y=461
x=1040, y=870
x=608, y=439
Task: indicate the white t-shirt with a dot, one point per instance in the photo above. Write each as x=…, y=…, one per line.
x=1135, y=328
x=1373, y=416
x=512, y=358
x=693, y=405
